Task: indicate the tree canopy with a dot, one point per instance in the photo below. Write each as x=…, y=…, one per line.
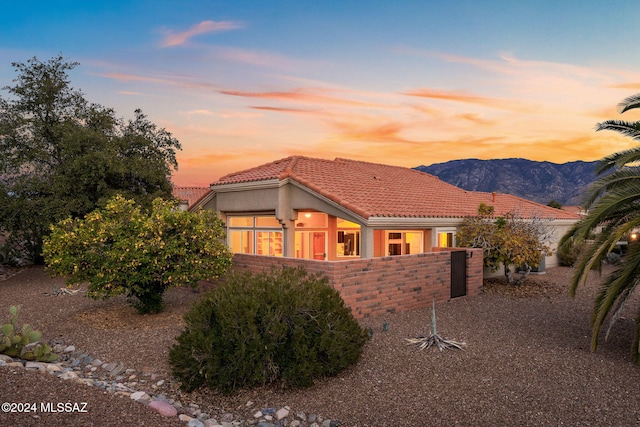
x=120, y=249
x=508, y=241
x=613, y=204
x=63, y=156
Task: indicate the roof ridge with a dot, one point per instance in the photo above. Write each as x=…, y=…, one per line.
x=263, y=166
x=344, y=160
x=191, y=186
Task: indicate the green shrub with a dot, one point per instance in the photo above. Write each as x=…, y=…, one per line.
x=281, y=326
x=569, y=253
x=122, y=249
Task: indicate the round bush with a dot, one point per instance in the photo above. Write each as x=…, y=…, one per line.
x=281, y=326
x=569, y=253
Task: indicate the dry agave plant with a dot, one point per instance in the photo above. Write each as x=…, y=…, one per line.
x=434, y=340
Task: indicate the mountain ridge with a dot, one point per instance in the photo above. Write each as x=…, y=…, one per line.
x=540, y=182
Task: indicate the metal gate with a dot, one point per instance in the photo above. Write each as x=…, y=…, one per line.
x=458, y=274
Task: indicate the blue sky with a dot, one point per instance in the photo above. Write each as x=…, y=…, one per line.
x=241, y=83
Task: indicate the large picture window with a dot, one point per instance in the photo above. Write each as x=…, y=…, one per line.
x=260, y=235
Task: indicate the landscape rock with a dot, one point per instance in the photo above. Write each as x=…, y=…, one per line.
x=228, y=417
x=36, y=365
x=81, y=367
x=53, y=367
x=282, y=413
x=69, y=375
x=163, y=408
x=140, y=395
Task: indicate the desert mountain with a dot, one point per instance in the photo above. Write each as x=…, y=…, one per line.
x=537, y=181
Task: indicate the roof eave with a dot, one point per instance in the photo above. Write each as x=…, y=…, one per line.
x=403, y=221
x=245, y=185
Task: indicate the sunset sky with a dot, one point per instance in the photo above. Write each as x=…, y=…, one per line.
x=242, y=83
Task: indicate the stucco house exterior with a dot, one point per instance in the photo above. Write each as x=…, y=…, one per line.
x=312, y=208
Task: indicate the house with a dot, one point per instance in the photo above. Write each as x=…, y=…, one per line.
x=578, y=210
x=383, y=236
x=342, y=209
x=189, y=196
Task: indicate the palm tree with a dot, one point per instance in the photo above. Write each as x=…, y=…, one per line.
x=613, y=203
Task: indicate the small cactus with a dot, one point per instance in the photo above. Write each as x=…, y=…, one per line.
x=7, y=329
x=26, y=344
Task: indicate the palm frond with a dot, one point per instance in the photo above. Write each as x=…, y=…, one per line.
x=615, y=291
x=629, y=103
x=613, y=202
x=621, y=203
x=621, y=177
x=589, y=261
x=617, y=309
x=597, y=251
x=630, y=129
x=569, y=235
x=618, y=160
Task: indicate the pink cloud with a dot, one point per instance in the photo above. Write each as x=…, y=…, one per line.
x=178, y=39
x=285, y=110
x=462, y=96
x=178, y=81
x=374, y=131
x=302, y=95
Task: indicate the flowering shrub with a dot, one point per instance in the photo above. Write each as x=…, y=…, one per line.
x=122, y=250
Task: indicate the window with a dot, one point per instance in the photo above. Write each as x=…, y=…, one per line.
x=267, y=221
x=446, y=239
x=348, y=243
x=312, y=220
x=348, y=238
x=269, y=243
x=404, y=242
x=260, y=235
x=241, y=241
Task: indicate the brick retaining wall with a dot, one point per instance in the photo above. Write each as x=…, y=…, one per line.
x=374, y=286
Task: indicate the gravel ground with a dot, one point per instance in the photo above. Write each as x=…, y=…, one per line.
x=527, y=362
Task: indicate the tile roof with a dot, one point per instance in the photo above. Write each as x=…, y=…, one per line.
x=372, y=189
x=190, y=194
x=575, y=209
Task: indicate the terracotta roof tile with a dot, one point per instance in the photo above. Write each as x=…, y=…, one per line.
x=191, y=194
x=372, y=189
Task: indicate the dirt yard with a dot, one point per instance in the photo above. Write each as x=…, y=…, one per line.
x=527, y=362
